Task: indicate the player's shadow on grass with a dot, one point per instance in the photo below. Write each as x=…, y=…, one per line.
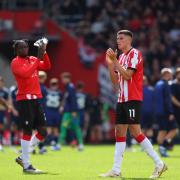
x=44, y=173
x=123, y=178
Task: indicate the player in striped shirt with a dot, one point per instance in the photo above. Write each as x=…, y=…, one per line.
x=127, y=73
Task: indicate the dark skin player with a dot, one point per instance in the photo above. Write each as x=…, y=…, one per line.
x=22, y=50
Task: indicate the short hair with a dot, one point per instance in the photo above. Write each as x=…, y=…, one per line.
x=166, y=70
x=42, y=74
x=125, y=32
x=54, y=81
x=177, y=70
x=16, y=43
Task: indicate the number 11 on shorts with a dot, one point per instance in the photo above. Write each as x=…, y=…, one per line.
x=131, y=113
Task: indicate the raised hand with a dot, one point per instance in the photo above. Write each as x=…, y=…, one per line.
x=111, y=54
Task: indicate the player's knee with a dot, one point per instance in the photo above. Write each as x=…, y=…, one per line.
x=120, y=131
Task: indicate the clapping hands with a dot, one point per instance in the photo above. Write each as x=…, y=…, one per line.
x=111, y=56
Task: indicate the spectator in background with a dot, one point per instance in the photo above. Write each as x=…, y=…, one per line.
x=4, y=95
x=39, y=27
x=164, y=112
x=175, y=89
x=147, y=109
x=87, y=54
x=53, y=100
x=158, y=22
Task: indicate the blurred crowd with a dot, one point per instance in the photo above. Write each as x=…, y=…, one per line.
x=156, y=27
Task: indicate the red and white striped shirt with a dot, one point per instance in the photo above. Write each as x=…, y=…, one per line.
x=131, y=89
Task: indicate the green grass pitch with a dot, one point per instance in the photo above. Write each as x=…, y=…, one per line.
x=69, y=164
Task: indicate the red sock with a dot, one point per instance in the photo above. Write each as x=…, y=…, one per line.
x=39, y=137
x=140, y=138
x=26, y=137
x=120, y=139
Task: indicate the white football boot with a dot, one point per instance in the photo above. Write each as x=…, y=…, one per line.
x=158, y=170
x=110, y=173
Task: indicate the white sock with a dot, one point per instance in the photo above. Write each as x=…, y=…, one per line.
x=25, y=152
x=118, y=156
x=148, y=148
x=34, y=142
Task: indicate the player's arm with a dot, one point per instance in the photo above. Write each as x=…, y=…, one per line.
x=23, y=71
x=112, y=73
x=5, y=104
x=175, y=101
x=44, y=64
x=126, y=73
x=13, y=109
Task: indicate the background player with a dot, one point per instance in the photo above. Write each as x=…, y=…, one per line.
x=25, y=70
x=42, y=80
x=70, y=117
x=4, y=96
x=164, y=112
x=53, y=100
x=14, y=117
x=95, y=114
x=175, y=89
x=82, y=103
x=147, y=118
x=129, y=75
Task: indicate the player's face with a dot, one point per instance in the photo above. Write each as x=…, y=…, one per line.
x=54, y=86
x=65, y=80
x=178, y=76
x=22, y=49
x=169, y=76
x=123, y=41
x=42, y=79
x=145, y=81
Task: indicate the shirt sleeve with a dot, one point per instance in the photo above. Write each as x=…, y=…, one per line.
x=45, y=64
x=133, y=60
x=23, y=70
